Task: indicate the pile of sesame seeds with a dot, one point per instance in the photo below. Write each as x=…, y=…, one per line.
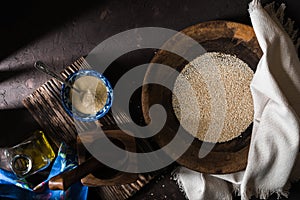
x=216, y=105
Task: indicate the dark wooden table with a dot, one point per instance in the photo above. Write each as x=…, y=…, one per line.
x=59, y=32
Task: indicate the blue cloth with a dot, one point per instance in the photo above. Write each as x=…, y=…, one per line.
x=13, y=188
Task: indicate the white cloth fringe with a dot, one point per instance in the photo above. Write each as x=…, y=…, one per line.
x=278, y=15
x=274, y=159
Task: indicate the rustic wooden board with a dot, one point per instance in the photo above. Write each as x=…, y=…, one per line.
x=220, y=36
x=45, y=106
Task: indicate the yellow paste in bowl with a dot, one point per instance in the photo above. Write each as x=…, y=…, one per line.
x=92, y=96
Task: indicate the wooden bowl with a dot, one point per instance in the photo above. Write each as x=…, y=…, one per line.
x=218, y=36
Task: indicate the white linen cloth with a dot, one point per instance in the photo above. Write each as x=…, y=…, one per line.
x=273, y=160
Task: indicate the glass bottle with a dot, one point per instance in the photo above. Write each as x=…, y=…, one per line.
x=30, y=156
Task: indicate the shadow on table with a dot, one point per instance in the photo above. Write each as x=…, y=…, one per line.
x=16, y=126
x=24, y=21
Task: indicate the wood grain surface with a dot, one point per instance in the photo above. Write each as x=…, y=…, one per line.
x=214, y=36
x=45, y=106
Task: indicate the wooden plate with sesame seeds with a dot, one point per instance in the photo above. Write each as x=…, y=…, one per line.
x=215, y=36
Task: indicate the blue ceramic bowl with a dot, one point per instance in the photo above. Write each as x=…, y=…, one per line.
x=67, y=101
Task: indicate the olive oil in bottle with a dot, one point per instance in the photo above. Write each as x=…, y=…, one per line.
x=30, y=156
